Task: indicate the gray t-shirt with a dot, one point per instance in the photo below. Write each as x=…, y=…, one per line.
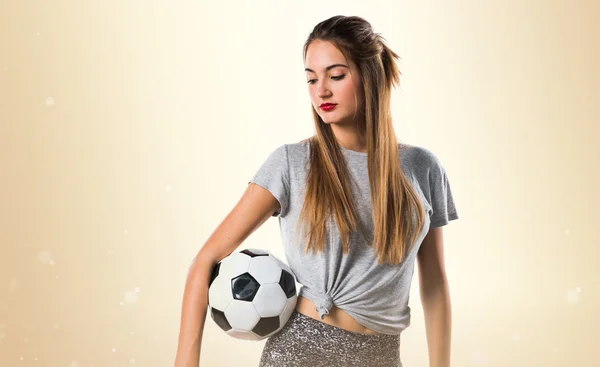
x=375, y=295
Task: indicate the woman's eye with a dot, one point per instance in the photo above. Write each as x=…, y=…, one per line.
x=338, y=77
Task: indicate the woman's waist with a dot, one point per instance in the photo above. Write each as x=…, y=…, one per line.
x=336, y=317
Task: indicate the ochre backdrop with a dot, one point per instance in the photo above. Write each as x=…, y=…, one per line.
x=129, y=129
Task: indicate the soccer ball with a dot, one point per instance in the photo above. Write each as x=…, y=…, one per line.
x=251, y=294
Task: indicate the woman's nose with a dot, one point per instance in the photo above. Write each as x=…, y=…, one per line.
x=322, y=90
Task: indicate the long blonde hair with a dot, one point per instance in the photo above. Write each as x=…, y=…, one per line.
x=396, y=208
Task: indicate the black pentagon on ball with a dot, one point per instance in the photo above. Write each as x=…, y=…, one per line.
x=252, y=254
x=287, y=283
x=220, y=319
x=266, y=326
x=215, y=273
x=244, y=287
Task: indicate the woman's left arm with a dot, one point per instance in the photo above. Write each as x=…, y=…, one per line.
x=435, y=298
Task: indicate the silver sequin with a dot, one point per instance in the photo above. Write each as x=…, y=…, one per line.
x=306, y=342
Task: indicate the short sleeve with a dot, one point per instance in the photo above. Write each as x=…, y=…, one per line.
x=273, y=175
x=440, y=194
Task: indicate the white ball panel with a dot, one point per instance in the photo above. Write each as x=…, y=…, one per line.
x=234, y=265
x=247, y=335
x=264, y=269
x=242, y=315
x=282, y=265
x=270, y=300
x=288, y=310
x=219, y=293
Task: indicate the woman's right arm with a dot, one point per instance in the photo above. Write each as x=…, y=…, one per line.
x=256, y=205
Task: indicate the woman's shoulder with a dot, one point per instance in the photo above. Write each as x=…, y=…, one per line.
x=409, y=153
x=299, y=148
x=418, y=159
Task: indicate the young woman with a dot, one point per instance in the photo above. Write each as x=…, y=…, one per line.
x=356, y=210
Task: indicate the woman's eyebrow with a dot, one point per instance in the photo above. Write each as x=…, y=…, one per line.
x=327, y=68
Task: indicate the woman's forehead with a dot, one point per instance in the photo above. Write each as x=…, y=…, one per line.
x=321, y=55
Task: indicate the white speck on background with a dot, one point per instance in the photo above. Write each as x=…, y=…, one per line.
x=13, y=285
x=574, y=295
x=130, y=297
x=516, y=336
x=44, y=257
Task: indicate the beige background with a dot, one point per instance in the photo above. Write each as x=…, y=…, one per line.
x=129, y=129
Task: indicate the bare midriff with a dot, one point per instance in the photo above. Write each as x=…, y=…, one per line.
x=336, y=317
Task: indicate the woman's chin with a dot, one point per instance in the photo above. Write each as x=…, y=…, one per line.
x=333, y=121
x=329, y=119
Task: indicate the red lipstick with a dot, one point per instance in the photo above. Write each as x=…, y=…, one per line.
x=327, y=106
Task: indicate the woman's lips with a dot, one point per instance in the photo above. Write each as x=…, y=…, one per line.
x=328, y=107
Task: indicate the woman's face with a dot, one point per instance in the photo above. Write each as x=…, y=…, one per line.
x=331, y=79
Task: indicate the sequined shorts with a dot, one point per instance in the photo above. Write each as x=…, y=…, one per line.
x=306, y=342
